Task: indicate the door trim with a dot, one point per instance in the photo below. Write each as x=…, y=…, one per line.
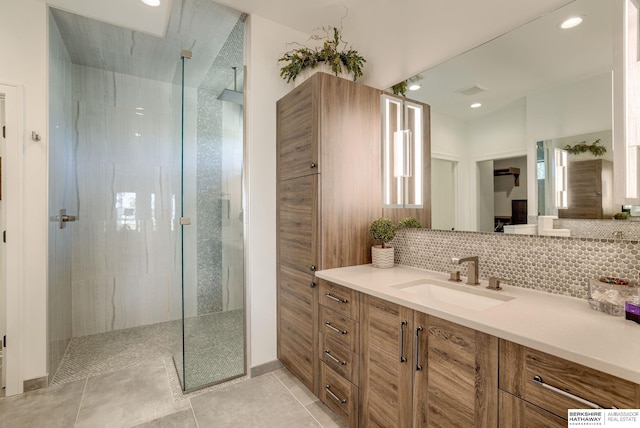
x=13, y=223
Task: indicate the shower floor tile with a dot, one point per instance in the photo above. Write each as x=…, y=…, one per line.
x=214, y=349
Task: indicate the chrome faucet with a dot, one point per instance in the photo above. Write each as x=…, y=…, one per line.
x=472, y=268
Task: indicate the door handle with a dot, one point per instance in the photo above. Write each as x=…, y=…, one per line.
x=62, y=218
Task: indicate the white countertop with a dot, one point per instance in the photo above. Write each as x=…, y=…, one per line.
x=562, y=326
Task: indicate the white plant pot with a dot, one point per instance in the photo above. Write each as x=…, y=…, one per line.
x=382, y=257
x=324, y=68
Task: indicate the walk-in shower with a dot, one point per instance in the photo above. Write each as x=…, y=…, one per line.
x=149, y=158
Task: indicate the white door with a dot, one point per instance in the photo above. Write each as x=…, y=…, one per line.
x=3, y=294
x=443, y=190
x=485, y=196
x=11, y=252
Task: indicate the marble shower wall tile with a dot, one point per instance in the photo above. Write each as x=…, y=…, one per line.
x=126, y=264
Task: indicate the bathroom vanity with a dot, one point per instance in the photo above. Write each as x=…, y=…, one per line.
x=405, y=347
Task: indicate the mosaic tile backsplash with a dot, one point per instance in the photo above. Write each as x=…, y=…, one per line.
x=552, y=264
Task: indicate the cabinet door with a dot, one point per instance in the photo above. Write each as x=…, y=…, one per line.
x=420, y=369
x=463, y=376
x=298, y=223
x=297, y=151
x=386, y=363
x=297, y=320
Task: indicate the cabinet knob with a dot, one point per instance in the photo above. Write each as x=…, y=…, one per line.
x=312, y=268
x=312, y=165
x=312, y=284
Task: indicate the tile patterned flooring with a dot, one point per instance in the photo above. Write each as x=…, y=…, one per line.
x=220, y=334
x=141, y=396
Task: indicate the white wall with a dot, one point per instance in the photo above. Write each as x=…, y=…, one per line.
x=265, y=43
x=23, y=36
x=449, y=142
x=573, y=109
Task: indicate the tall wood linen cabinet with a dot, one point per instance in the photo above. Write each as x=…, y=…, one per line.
x=328, y=192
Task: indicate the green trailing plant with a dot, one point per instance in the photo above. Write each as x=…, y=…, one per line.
x=382, y=230
x=594, y=148
x=621, y=216
x=409, y=222
x=400, y=88
x=334, y=52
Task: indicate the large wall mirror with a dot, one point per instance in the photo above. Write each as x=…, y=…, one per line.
x=499, y=111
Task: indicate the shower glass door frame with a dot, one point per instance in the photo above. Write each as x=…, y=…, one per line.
x=212, y=343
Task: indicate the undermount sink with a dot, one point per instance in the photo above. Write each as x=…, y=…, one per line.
x=453, y=294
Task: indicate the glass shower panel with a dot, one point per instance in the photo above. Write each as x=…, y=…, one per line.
x=212, y=284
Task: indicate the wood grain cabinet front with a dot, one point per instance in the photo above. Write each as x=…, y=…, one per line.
x=339, y=395
x=328, y=192
x=463, y=376
x=297, y=316
x=557, y=385
x=339, y=333
x=517, y=413
x=386, y=363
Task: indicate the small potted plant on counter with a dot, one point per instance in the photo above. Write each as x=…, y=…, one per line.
x=409, y=223
x=382, y=230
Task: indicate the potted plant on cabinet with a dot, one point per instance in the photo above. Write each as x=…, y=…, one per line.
x=382, y=230
x=334, y=56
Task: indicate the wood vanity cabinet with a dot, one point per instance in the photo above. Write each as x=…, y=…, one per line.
x=462, y=376
x=328, y=192
x=535, y=386
x=422, y=371
x=386, y=363
x=339, y=331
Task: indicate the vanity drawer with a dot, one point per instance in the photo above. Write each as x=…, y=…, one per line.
x=341, y=299
x=339, y=358
x=341, y=328
x=340, y=395
x=543, y=380
x=516, y=413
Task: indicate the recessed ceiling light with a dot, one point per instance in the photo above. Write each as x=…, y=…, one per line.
x=475, y=105
x=414, y=87
x=139, y=113
x=151, y=2
x=139, y=108
x=137, y=134
x=574, y=21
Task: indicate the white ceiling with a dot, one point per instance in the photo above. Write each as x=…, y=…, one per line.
x=537, y=56
x=398, y=38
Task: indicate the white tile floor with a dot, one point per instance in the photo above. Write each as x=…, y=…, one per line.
x=141, y=397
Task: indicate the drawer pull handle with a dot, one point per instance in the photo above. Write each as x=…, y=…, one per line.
x=336, y=299
x=337, y=330
x=403, y=359
x=312, y=165
x=538, y=380
x=334, y=396
x=328, y=354
x=417, y=350
x=312, y=284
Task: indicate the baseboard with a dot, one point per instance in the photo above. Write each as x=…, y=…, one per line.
x=37, y=383
x=265, y=368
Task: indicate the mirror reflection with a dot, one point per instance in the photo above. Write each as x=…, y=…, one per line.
x=495, y=107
